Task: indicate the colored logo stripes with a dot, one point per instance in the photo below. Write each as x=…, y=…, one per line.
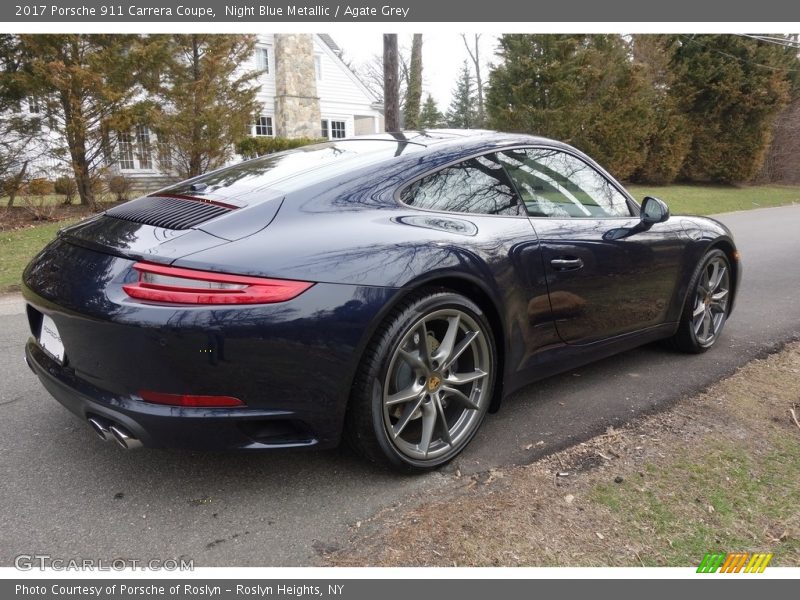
x=734, y=562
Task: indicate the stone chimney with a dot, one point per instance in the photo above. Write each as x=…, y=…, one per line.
x=297, y=112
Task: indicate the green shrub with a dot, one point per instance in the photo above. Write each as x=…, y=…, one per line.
x=120, y=186
x=65, y=186
x=36, y=199
x=11, y=186
x=39, y=187
x=251, y=147
x=98, y=186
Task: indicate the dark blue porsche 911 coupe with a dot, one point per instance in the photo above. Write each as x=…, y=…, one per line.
x=389, y=289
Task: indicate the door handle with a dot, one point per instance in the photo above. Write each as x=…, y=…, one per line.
x=566, y=264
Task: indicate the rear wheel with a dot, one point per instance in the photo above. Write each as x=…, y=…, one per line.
x=707, y=304
x=425, y=383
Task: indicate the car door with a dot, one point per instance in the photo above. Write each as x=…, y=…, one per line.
x=478, y=190
x=604, y=278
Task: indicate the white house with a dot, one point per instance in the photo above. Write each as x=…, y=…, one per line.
x=306, y=90
x=346, y=107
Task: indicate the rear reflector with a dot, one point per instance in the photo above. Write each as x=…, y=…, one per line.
x=190, y=400
x=174, y=285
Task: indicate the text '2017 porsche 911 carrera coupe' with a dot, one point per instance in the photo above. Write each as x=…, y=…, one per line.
x=388, y=289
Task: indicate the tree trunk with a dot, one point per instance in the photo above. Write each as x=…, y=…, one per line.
x=83, y=181
x=414, y=93
x=195, y=158
x=16, y=182
x=80, y=166
x=476, y=61
x=391, y=83
x=75, y=128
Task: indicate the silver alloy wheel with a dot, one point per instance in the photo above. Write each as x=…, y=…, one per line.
x=711, y=301
x=437, y=385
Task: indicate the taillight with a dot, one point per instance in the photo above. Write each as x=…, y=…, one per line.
x=190, y=400
x=174, y=285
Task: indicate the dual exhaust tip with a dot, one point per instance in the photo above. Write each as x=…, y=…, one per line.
x=107, y=430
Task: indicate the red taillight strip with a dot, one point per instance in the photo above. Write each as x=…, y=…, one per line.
x=257, y=290
x=190, y=400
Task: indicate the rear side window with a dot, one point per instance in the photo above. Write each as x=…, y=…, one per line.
x=478, y=185
x=558, y=185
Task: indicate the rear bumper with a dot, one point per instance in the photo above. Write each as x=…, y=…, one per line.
x=292, y=364
x=159, y=426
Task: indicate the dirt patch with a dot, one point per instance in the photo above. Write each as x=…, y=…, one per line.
x=717, y=472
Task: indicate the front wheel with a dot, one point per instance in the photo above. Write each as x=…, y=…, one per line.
x=424, y=384
x=707, y=304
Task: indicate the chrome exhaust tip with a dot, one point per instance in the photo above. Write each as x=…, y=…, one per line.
x=101, y=428
x=124, y=438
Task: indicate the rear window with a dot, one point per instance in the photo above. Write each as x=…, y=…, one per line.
x=292, y=169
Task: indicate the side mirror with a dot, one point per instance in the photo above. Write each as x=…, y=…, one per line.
x=654, y=211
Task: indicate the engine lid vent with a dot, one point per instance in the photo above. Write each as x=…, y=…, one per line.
x=169, y=212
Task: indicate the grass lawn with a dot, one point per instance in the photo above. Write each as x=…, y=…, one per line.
x=709, y=200
x=18, y=247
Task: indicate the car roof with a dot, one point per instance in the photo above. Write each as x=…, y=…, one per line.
x=436, y=137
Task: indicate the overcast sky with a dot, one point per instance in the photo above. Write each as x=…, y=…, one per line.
x=443, y=55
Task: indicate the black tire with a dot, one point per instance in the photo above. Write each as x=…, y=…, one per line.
x=688, y=337
x=392, y=367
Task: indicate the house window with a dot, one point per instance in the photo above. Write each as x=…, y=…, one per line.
x=125, y=151
x=264, y=126
x=318, y=66
x=338, y=129
x=164, y=157
x=33, y=105
x=333, y=130
x=262, y=59
x=143, y=150
x=135, y=149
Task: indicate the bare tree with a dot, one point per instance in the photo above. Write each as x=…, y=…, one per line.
x=391, y=83
x=476, y=61
x=414, y=86
x=782, y=162
x=371, y=74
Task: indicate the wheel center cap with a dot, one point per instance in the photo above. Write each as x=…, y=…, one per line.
x=434, y=381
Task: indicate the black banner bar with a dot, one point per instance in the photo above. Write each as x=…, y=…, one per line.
x=731, y=587
x=397, y=11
